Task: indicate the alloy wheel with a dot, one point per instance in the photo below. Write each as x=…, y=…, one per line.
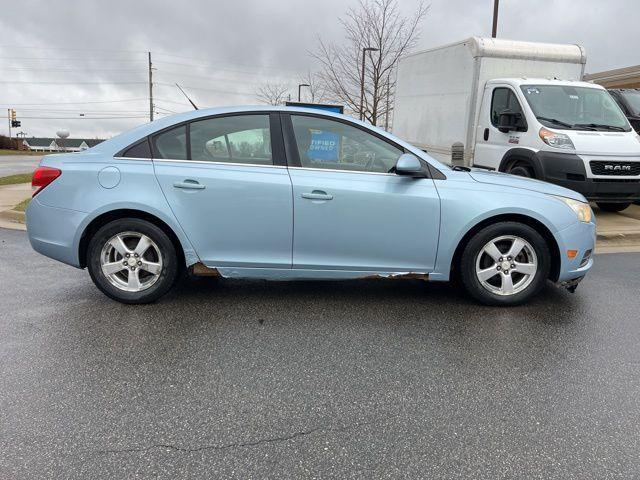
x=131, y=261
x=506, y=265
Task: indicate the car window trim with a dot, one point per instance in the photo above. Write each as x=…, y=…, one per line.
x=292, y=147
x=278, y=153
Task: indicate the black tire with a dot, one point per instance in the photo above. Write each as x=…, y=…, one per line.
x=168, y=273
x=476, y=244
x=612, y=207
x=522, y=171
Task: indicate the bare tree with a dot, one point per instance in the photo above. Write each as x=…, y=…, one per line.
x=273, y=93
x=373, y=24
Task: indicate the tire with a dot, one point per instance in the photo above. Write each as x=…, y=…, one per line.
x=612, y=207
x=522, y=171
x=150, y=270
x=480, y=259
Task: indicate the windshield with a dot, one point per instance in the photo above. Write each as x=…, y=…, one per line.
x=575, y=108
x=633, y=100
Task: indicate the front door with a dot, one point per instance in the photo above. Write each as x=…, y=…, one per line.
x=227, y=184
x=492, y=144
x=350, y=212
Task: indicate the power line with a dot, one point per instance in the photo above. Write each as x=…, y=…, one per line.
x=85, y=118
x=206, y=89
x=72, y=83
x=74, y=103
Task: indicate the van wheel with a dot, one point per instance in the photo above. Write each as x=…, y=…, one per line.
x=505, y=264
x=612, y=207
x=132, y=261
x=521, y=171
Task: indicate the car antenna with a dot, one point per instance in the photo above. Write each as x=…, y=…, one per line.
x=194, y=105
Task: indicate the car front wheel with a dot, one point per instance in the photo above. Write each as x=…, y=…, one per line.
x=132, y=261
x=505, y=264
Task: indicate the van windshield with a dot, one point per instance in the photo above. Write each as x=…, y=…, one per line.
x=633, y=100
x=567, y=107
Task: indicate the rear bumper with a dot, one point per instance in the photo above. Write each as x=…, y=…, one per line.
x=579, y=236
x=568, y=170
x=53, y=231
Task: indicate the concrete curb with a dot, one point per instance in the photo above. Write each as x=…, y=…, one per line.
x=618, y=238
x=13, y=220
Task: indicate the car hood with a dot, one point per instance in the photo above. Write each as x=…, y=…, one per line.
x=507, y=180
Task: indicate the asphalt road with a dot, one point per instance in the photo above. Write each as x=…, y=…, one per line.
x=367, y=379
x=12, y=164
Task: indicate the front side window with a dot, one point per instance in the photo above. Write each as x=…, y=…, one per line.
x=577, y=108
x=233, y=139
x=504, y=100
x=324, y=143
x=171, y=144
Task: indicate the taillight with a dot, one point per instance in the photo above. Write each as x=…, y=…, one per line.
x=42, y=177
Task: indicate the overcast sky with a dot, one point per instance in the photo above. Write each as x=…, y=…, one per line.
x=55, y=52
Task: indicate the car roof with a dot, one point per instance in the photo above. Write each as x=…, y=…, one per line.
x=130, y=137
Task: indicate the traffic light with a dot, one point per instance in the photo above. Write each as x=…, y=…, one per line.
x=13, y=115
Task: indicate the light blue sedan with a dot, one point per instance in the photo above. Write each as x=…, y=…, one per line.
x=282, y=193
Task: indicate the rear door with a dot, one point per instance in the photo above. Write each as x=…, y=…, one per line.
x=226, y=181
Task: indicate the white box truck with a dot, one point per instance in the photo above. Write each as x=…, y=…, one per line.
x=521, y=108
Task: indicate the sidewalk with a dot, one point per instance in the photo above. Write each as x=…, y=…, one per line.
x=617, y=232
x=10, y=196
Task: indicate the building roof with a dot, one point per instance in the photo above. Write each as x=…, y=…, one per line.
x=68, y=142
x=628, y=77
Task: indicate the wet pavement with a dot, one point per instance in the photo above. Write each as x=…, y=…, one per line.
x=364, y=379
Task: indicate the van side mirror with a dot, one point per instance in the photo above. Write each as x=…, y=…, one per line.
x=408, y=164
x=508, y=121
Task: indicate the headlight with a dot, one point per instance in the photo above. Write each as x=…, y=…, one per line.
x=581, y=209
x=555, y=139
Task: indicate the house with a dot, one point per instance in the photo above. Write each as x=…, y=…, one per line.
x=59, y=144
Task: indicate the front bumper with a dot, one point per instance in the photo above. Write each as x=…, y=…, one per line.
x=53, y=232
x=568, y=170
x=579, y=236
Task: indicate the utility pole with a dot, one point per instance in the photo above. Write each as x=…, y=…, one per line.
x=9, y=117
x=150, y=91
x=364, y=51
x=494, y=30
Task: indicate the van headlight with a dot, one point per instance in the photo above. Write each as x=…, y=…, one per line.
x=581, y=209
x=556, y=139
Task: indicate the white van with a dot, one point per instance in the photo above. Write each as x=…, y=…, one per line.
x=520, y=108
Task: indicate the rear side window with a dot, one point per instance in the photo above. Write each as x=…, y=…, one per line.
x=504, y=99
x=139, y=150
x=171, y=144
x=233, y=139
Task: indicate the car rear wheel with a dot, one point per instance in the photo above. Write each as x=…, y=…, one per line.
x=132, y=261
x=505, y=264
x=612, y=207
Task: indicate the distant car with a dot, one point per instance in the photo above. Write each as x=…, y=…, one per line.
x=628, y=99
x=267, y=193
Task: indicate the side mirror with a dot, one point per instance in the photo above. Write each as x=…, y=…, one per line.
x=507, y=121
x=408, y=164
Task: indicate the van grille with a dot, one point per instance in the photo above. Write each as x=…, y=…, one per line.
x=599, y=167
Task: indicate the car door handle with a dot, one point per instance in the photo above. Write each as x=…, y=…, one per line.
x=317, y=195
x=189, y=185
